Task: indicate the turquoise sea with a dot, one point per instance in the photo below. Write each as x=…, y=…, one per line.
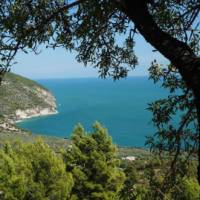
x=121, y=106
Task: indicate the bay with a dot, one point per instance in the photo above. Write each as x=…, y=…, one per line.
x=120, y=106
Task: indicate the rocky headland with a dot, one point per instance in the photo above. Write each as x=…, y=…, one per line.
x=21, y=98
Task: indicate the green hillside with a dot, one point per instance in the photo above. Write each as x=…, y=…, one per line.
x=19, y=93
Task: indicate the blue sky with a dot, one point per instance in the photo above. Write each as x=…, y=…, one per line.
x=60, y=63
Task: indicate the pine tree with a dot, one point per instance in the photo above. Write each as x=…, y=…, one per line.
x=33, y=172
x=93, y=162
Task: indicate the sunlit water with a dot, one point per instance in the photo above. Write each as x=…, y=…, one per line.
x=121, y=106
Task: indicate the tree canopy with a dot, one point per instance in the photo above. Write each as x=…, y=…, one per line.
x=91, y=27
x=93, y=161
x=87, y=169
x=33, y=171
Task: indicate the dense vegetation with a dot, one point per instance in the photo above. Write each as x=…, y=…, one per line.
x=88, y=168
x=91, y=27
x=17, y=92
x=33, y=171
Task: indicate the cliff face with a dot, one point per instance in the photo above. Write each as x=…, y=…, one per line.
x=21, y=98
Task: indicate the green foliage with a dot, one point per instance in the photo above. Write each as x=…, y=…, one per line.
x=33, y=171
x=178, y=106
x=94, y=24
x=17, y=92
x=92, y=28
x=90, y=170
x=14, y=175
x=132, y=188
x=92, y=160
x=185, y=189
x=190, y=189
x=175, y=118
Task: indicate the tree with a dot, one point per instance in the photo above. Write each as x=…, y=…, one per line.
x=91, y=28
x=175, y=119
x=92, y=160
x=33, y=172
x=133, y=187
x=184, y=188
x=190, y=188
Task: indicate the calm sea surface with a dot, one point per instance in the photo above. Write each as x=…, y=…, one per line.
x=120, y=106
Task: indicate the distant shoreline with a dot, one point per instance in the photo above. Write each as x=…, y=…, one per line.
x=40, y=114
x=113, y=104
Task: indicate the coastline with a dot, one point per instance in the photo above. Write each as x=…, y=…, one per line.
x=27, y=114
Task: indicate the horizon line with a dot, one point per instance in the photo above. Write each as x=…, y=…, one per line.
x=89, y=77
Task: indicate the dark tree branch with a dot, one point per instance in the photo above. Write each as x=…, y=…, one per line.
x=179, y=53
x=54, y=14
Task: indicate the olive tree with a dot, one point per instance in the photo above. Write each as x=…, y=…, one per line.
x=91, y=27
